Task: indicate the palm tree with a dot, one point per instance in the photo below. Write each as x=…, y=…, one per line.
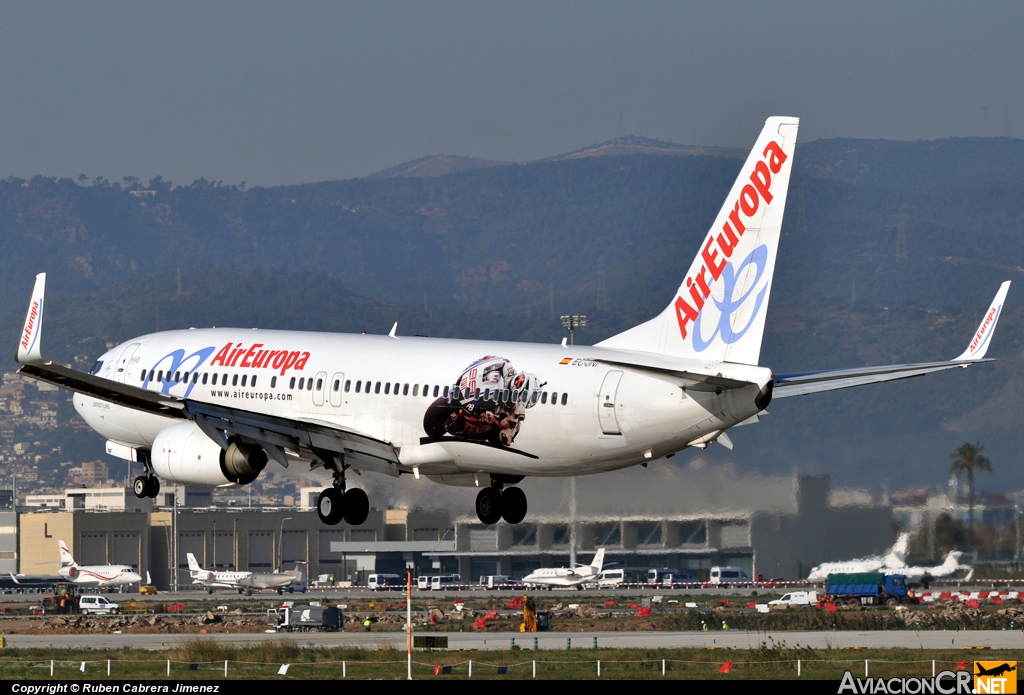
x=969, y=458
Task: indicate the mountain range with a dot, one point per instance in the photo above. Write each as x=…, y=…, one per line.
x=889, y=252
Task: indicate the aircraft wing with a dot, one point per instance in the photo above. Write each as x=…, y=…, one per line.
x=803, y=383
x=273, y=433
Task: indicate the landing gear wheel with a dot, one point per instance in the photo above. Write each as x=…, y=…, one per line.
x=357, y=506
x=330, y=506
x=488, y=505
x=152, y=486
x=140, y=487
x=513, y=505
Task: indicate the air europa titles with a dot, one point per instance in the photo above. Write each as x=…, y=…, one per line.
x=989, y=318
x=33, y=315
x=255, y=357
x=727, y=241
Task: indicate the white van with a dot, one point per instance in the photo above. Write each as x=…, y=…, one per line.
x=445, y=581
x=611, y=578
x=423, y=583
x=384, y=582
x=727, y=575
x=796, y=598
x=97, y=605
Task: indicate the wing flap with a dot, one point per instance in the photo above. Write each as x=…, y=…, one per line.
x=290, y=433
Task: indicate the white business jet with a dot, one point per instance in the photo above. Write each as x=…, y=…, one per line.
x=566, y=576
x=893, y=558
x=212, y=407
x=94, y=575
x=213, y=579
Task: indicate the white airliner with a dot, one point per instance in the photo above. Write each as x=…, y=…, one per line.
x=566, y=576
x=893, y=558
x=94, y=575
x=212, y=579
x=211, y=407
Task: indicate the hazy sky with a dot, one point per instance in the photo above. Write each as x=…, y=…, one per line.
x=272, y=93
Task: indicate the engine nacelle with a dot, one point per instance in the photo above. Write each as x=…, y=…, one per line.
x=182, y=453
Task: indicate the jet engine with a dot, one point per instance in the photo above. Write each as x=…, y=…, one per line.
x=182, y=453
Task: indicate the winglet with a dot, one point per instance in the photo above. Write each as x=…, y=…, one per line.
x=394, y=329
x=29, y=349
x=979, y=343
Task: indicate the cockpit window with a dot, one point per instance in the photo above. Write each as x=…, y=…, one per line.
x=96, y=367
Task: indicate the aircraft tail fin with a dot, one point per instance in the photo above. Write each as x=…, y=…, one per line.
x=979, y=343
x=29, y=347
x=192, y=563
x=149, y=579
x=66, y=558
x=952, y=560
x=598, y=562
x=898, y=553
x=719, y=310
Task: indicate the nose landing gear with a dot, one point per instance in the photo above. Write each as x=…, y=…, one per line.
x=494, y=503
x=335, y=503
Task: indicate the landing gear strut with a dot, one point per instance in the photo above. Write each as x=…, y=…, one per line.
x=147, y=485
x=497, y=502
x=335, y=503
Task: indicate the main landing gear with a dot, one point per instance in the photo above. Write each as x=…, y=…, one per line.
x=335, y=503
x=498, y=502
x=146, y=485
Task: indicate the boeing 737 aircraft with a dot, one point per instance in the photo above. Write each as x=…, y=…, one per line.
x=212, y=407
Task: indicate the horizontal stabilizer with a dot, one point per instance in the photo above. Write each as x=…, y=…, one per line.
x=803, y=383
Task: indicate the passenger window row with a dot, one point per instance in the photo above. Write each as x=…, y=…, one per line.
x=183, y=378
x=306, y=384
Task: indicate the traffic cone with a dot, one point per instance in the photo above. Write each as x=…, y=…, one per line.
x=726, y=667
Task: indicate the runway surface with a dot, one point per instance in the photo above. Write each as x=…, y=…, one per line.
x=734, y=639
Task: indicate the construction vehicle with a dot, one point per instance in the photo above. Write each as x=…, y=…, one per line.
x=305, y=618
x=534, y=620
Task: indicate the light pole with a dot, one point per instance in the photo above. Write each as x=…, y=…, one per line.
x=572, y=322
x=280, y=549
x=214, y=545
x=234, y=544
x=174, y=533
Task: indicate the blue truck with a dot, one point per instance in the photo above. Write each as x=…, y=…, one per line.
x=867, y=589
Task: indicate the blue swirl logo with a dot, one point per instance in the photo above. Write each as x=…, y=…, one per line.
x=178, y=360
x=728, y=305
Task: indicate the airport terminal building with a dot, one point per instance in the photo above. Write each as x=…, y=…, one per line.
x=778, y=527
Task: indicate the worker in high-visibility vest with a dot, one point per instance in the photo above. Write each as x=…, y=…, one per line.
x=366, y=624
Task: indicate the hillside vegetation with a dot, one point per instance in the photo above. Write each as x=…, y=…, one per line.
x=890, y=252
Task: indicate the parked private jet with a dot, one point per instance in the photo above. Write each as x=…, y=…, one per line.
x=566, y=576
x=213, y=579
x=211, y=407
x=893, y=558
x=94, y=575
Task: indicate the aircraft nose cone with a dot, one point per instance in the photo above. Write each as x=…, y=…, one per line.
x=133, y=577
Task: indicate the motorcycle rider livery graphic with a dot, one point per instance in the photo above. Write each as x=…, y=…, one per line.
x=487, y=404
